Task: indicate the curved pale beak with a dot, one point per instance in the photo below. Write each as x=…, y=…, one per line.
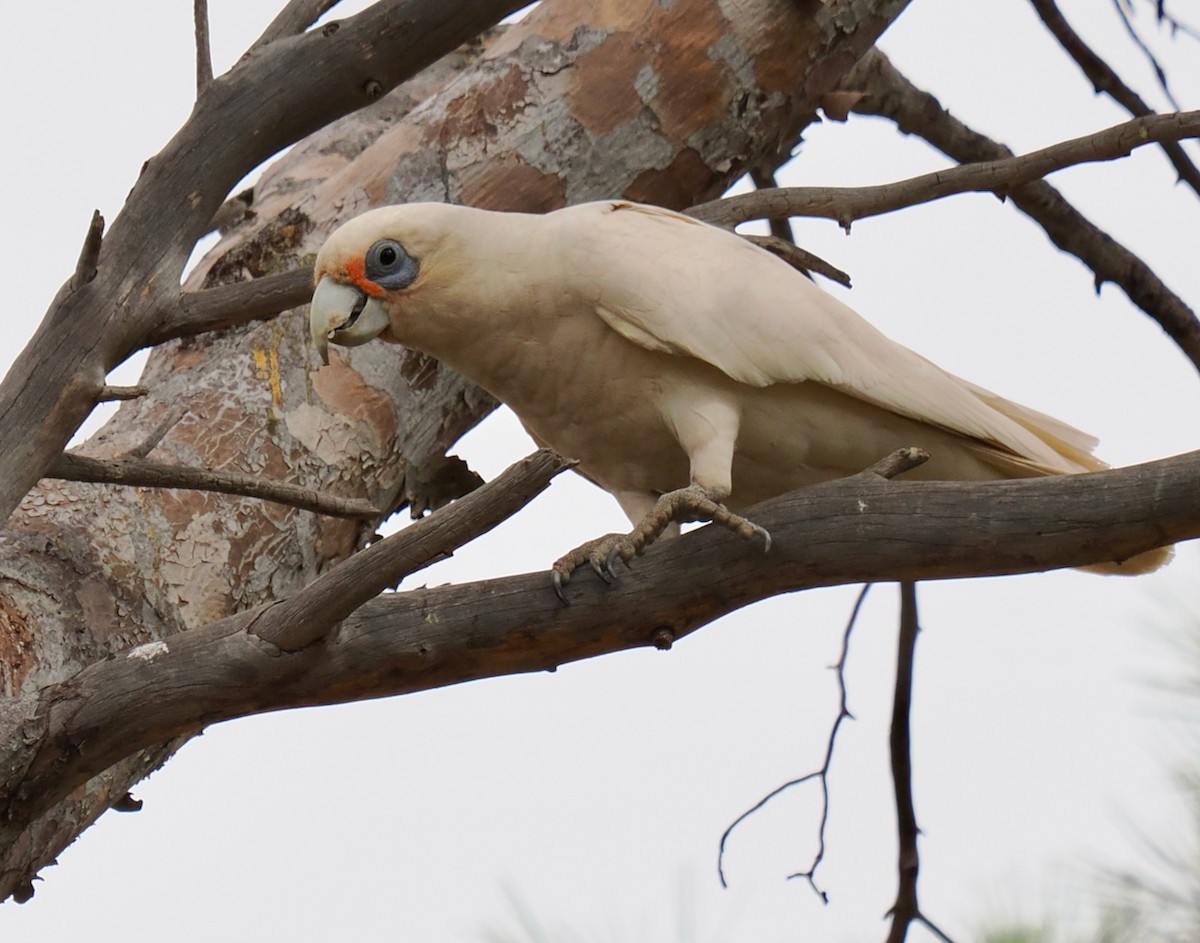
x=344, y=315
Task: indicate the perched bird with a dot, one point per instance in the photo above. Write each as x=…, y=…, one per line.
x=689, y=372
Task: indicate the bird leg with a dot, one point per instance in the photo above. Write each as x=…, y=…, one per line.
x=693, y=503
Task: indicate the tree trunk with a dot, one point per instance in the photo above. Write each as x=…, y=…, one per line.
x=653, y=101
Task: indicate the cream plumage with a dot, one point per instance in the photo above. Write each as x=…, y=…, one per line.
x=683, y=367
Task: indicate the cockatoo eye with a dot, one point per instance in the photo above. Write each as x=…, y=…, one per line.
x=387, y=264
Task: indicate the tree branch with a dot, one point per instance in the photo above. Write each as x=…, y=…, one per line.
x=906, y=909
x=1105, y=80
x=889, y=94
x=848, y=204
x=204, y=68
x=89, y=254
x=143, y=473
x=854, y=530
x=798, y=258
x=293, y=19
x=304, y=618
x=821, y=774
x=266, y=102
x=1159, y=72
x=226, y=306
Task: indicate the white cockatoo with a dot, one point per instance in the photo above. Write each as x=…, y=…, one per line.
x=688, y=372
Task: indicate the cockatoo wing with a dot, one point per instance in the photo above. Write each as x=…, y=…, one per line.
x=670, y=283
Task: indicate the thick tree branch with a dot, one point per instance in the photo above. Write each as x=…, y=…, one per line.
x=143, y=473
x=889, y=94
x=1003, y=175
x=1105, y=79
x=854, y=530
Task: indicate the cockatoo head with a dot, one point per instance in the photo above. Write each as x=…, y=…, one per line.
x=369, y=267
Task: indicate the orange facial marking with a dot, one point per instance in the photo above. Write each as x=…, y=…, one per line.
x=357, y=275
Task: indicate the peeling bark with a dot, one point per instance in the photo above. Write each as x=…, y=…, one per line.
x=665, y=102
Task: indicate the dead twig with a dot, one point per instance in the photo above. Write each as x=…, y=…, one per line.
x=142, y=473
x=798, y=258
x=1159, y=72
x=821, y=775
x=150, y=443
x=889, y=94
x=1001, y=175
x=308, y=615
x=89, y=254
x=113, y=393
x=204, y=67
x=1105, y=80
x=294, y=18
x=906, y=910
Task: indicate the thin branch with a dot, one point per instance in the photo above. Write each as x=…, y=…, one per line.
x=1176, y=25
x=848, y=204
x=226, y=306
x=798, y=258
x=112, y=393
x=307, y=616
x=142, y=473
x=89, y=254
x=781, y=229
x=897, y=463
x=906, y=909
x=266, y=102
x=821, y=774
x=204, y=67
x=889, y=94
x=1159, y=72
x=849, y=531
x=294, y=19
x=1105, y=79
x=150, y=443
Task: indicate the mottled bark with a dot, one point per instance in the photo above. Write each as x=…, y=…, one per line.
x=662, y=102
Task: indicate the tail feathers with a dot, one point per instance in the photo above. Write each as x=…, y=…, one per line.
x=1146, y=562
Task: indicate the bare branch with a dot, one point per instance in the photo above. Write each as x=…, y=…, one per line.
x=204, y=68
x=798, y=258
x=891, y=95
x=293, y=19
x=142, y=473
x=906, y=909
x=781, y=229
x=847, y=204
x=289, y=89
x=1159, y=72
x=111, y=393
x=226, y=306
x=306, y=617
x=1105, y=79
x=150, y=443
x=849, y=531
x=89, y=255
x=821, y=775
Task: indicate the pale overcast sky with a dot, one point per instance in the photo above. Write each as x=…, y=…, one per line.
x=594, y=798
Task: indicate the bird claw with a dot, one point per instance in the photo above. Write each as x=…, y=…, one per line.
x=603, y=552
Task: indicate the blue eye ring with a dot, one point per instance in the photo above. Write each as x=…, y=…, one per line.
x=388, y=265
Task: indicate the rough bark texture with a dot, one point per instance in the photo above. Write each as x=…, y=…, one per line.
x=659, y=101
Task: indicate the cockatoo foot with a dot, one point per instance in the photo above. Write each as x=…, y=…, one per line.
x=692, y=503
